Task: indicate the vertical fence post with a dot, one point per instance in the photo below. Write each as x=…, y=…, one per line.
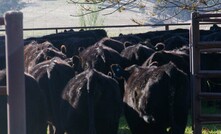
x=166, y=27
x=2, y=52
x=15, y=73
x=1, y=21
x=195, y=67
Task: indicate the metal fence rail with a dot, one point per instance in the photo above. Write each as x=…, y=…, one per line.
x=1, y=21
x=2, y=89
x=111, y=26
x=196, y=47
x=166, y=26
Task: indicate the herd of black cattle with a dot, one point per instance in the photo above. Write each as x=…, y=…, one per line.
x=82, y=82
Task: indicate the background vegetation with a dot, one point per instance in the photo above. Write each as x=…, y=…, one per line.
x=207, y=129
x=93, y=19
x=161, y=11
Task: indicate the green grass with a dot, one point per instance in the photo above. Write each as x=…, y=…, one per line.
x=123, y=127
x=207, y=129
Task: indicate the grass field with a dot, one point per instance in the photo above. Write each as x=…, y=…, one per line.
x=207, y=129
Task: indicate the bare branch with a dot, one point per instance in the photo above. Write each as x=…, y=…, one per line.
x=162, y=7
x=173, y=15
x=122, y=5
x=84, y=3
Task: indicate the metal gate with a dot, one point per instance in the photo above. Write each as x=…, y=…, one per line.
x=197, y=74
x=15, y=92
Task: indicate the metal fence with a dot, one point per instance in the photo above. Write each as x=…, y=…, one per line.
x=112, y=30
x=56, y=29
x=200, y=118
x=13, y=23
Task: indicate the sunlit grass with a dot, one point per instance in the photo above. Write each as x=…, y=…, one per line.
x=207, y=129
x=123, y=127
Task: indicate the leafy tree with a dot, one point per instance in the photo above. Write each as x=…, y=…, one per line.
x=162, y=10
x=92, y=19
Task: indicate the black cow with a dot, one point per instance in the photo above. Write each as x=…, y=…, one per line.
x=180, y=57
x=59, y=38
x=211, y=61
x=212, y=36
x=128, y=38
x=101, y=57
x=112, y=43
x=137, y=54
x=91, y=104
x=52, y=76
x=35, y=53
x=74, y=45
x=155, y=98
x=97, y=34
x=155, y=37
x=215, y=28
x=175, y=42
x=35, y=106
x=152, y=34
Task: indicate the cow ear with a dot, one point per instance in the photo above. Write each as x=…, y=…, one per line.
x=127, y=44
x=77, y=63
x=117, y=71
x=48, y=58
x=63, y=49
x=110, y=74
x=76, y=60
x=160, y=46
x=80, y=49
